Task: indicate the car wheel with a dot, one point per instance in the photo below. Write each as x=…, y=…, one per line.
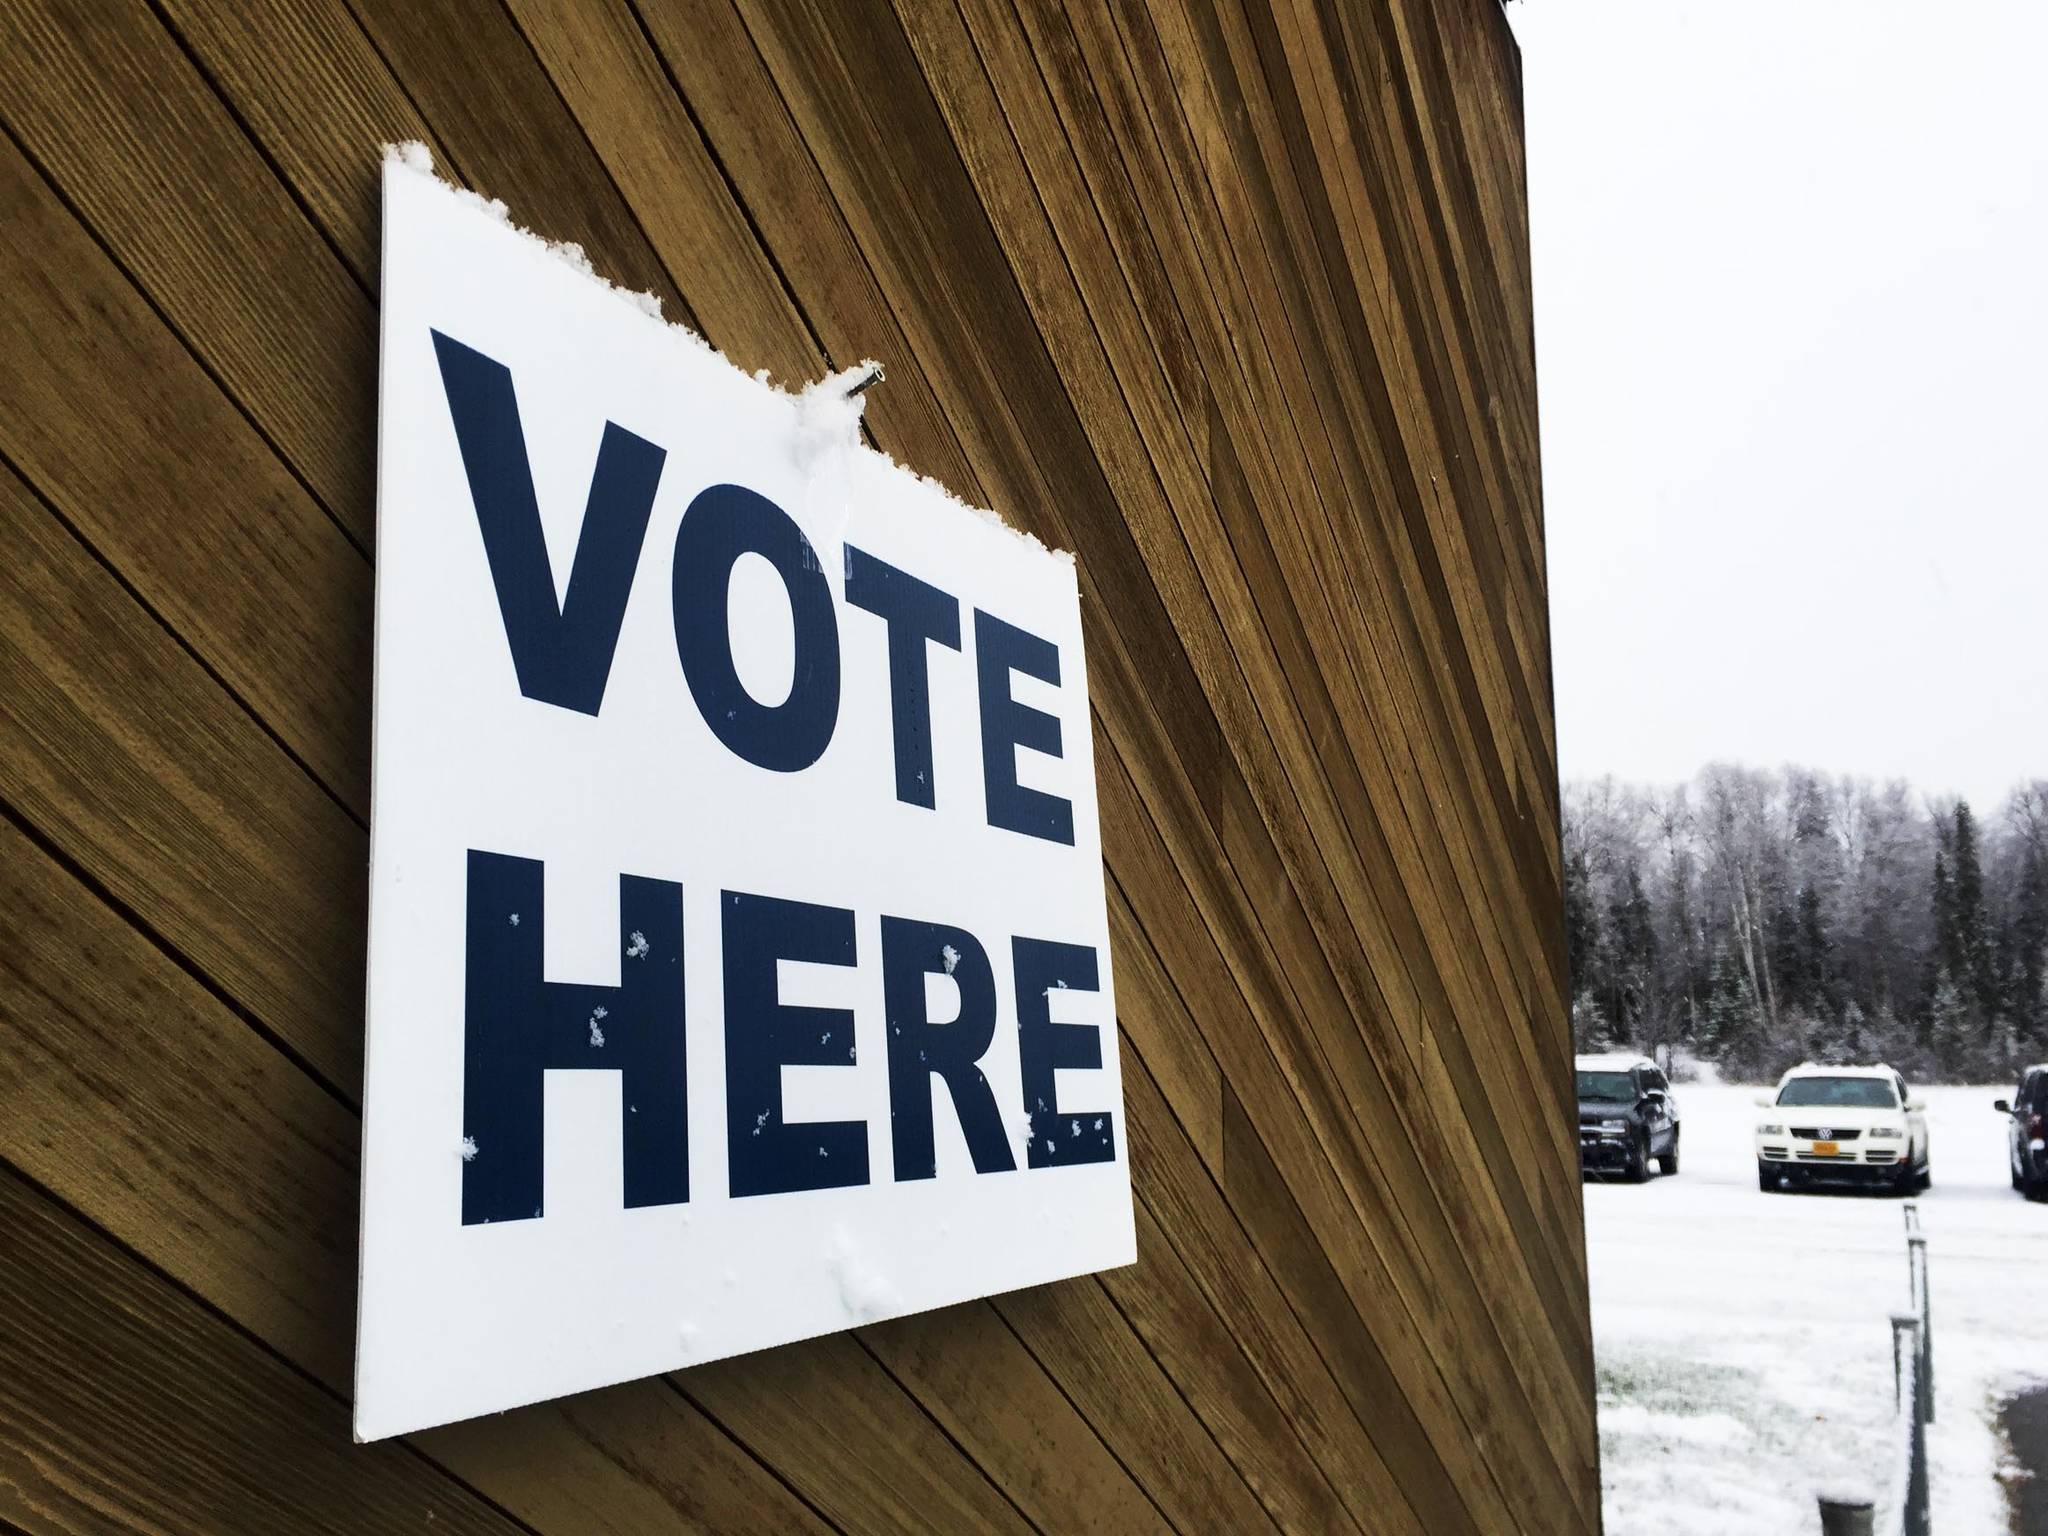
x=1639, y=1160
x=1766, y=1177
x=1669, y=1161
x=1926, y=1180
x=2019, y=1181
x=1903, y=1179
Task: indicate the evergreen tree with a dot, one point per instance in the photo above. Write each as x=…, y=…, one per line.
x=1815, y=952
x=1856, y=1048
x=1581, y=925
x=1970, y=964
x=1950, y=1029
x=1725, y=1031
x=1632, y=962
x=2029, y=982
x=1947, y=952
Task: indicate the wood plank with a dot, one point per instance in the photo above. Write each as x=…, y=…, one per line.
x=1252, y=1060
x=705, y=49
x=1083, y=260
x=1316, y=1294
x=120, y=751
x=610, y=78
x=852, y=1443
x=1162, y=1030
x=267, y=75
x=1123, y=1392
x=111, y=108
x=124, y=1404
x=999, y=1402
x=1424, y=1063
x=109, y=417
x=1208, y=1277
x=509, y=133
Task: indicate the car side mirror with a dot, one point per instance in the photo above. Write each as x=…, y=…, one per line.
x=1764, y=1101
x=1916, y=1103
x=2001, y=1106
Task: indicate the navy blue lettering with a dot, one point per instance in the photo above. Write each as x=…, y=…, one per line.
x=921, y=1048
x=722, y=524
x=915, y=612
x=999, y=650
x=766, y=1155
x=561, y=653
x=517, y=1026
x=1058, y=1136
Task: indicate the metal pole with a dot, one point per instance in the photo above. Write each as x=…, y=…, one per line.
x=1907, y=1397
x=1923, y=1304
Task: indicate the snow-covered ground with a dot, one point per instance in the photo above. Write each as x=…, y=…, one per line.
x=1744, y=1343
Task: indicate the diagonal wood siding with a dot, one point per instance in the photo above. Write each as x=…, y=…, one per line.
x=1232, y=300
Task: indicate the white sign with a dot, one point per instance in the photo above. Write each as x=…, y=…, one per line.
x=739, y=963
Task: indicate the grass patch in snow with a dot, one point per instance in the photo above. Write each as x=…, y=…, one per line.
x=1706, y=1448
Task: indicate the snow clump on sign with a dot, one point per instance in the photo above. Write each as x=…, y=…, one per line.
x=828, y=415
x=864, y=1291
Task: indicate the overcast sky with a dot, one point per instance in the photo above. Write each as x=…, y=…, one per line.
x=1791, y=265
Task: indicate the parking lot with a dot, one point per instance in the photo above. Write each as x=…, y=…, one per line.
x=1743, y=1341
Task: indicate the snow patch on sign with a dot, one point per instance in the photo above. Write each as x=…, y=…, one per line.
x=864, y=1291
x=828, y=416
x=1017, y=1124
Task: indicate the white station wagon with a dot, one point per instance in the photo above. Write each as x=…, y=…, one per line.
x=1848, y=1123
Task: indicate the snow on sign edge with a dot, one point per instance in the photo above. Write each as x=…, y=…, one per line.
x=824, y=406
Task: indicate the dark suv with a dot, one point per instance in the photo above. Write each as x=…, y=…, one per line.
x=1626, y=1117
x=2027, y=1130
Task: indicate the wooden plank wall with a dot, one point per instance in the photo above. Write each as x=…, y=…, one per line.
x=1231, y=300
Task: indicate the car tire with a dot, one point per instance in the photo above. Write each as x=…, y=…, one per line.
x=2019, y=1181
x=1669, y=1161
x=1926, y=1180
x=1639, y=1160
x=1767, y=1178
x=1903, y=1179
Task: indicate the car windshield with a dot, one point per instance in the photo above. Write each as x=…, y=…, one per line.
x=1839, y=1093
x=1613, y=1087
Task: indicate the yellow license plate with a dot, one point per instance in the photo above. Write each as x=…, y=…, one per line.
x=1825, y=1148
